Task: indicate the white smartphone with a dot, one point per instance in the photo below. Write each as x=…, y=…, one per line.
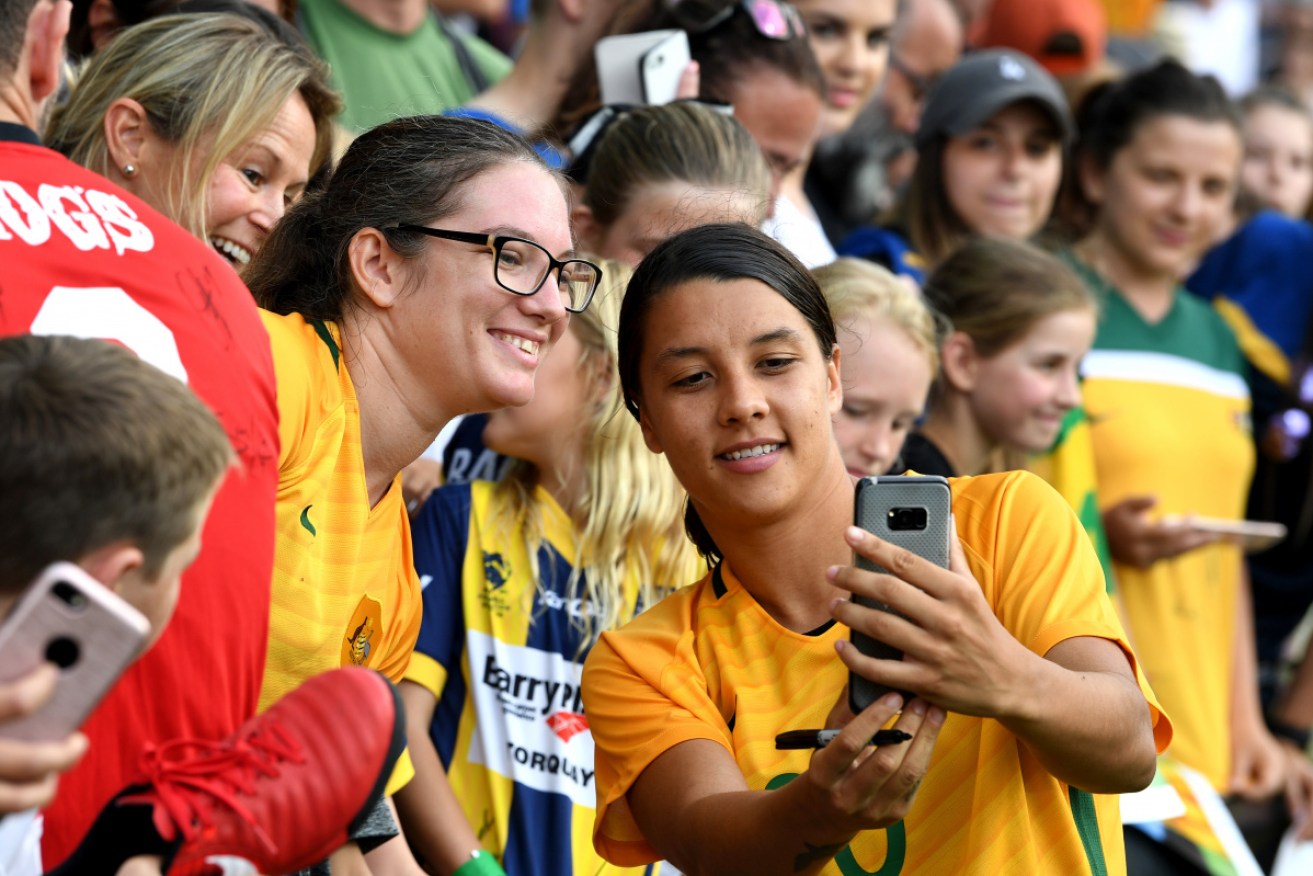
x=641, y=68
x=1250, y=535
x=70, y=619
x=911, y=511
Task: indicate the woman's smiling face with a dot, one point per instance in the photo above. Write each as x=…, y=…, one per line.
x=737, y=393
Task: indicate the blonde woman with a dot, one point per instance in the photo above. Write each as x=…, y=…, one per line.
x=889, y=353
x=212, y=119
x=520, y=578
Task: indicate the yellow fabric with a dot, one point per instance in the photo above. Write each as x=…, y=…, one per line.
x=702, y=666
x=1181, y=611
x=1260, y=350
x=344, y=588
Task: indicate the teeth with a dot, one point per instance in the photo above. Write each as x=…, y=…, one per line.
x=528, y=346
x=234, y=251
x=751, y=451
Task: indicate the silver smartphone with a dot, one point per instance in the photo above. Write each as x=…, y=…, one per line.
x=641, y=68
x=914, y=512
x=70, y=619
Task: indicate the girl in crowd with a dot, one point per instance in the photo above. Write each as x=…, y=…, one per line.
x=1021, y=322
x=583, y=531
x=989, y=162
x=889, y=346
x=656, y=171
x=1277, y=172
x=728, y=362
x=430, y=277
x=1159, y=162
x=211, y=119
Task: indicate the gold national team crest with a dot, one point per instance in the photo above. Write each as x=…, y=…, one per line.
x=361, y=633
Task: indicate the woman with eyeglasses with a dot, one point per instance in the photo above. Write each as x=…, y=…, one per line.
x=429, y=278
x=523, y=574
x=1025, y=704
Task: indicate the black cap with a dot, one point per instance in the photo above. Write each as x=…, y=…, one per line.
x=983, y=83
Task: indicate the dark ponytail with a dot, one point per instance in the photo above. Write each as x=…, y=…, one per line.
x=409, y=170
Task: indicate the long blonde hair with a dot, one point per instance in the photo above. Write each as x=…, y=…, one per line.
x=208, y=84
x=630, y=547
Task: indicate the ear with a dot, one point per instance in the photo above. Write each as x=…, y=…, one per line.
x=835, y=389
x=127, y=135
x=376, y=267
x=649, y=436
x=572, y=10
x=112, y=563
x=959, y=361
x=47, y=26
x=1092, y=179
x=586, y=230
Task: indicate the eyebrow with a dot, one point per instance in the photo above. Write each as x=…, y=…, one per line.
x=515, y=231
x=673, y=354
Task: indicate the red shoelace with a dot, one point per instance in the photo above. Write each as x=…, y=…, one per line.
x=190, y=777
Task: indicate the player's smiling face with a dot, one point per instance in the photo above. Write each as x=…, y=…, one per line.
x=737, y=394
x=459, y=336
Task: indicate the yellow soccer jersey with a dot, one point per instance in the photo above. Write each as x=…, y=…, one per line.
x=1169, y=414
x=345, y=590
x=709, y=663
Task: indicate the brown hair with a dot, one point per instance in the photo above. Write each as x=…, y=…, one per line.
x=994, y=290
x=96, y=447
x=410, y=170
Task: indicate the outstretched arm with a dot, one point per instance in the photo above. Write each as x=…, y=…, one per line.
x=695, y=809
x=1077, y=708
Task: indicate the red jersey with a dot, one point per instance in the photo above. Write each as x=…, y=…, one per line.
x=80, y=256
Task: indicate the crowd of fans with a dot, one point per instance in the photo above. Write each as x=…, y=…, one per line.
x=483, y=457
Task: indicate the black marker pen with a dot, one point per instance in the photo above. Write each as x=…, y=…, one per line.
x=795, y=739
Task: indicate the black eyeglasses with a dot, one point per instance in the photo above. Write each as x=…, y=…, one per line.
x=773, y=19
x=521, y=266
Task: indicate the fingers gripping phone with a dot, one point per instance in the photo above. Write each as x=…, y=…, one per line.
x=913, y=512
x=89, y=632
x=641, y=68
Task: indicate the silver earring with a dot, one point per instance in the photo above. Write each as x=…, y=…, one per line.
x=129, y=170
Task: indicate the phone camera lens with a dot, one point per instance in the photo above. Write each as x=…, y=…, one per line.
x=70, y=596
x=902, y=519
x=63, y=652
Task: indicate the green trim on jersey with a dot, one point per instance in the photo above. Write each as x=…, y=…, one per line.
x=1087, y=825
x=1191, y=328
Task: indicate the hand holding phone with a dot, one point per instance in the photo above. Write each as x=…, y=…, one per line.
x=957, y=653
x=88, y=632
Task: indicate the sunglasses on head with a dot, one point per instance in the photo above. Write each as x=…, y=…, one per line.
x=773, y=19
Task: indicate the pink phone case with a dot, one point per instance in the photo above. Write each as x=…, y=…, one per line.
x=75, y=622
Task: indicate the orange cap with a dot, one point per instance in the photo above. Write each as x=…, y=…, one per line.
x=1065, y=36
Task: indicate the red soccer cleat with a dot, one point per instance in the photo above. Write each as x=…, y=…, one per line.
x=284, y=791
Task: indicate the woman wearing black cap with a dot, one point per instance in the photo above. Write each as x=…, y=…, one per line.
x=989, y=161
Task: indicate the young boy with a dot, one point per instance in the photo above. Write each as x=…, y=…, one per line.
x=112, y=464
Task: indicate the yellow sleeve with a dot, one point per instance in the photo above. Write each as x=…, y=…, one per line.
x=1039, y=571
x=644, y=694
